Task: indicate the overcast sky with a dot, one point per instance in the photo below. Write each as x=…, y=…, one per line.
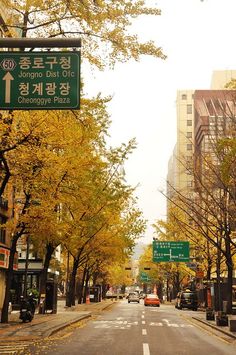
x=198, y=37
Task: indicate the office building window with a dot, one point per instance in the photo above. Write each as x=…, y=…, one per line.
x=189, y=109
x=189, y=146
x=189, y=135
x=184, y=97
x=189, y=123
x=189, y=171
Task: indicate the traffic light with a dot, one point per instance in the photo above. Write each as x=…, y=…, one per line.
x=147, y=268
x=128, y=268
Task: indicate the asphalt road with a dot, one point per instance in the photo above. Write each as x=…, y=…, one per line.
x=132, y=329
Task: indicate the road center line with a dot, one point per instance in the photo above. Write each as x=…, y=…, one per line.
x=146, y=350
x=142, y=316
x=144, y=331
x=143, y=322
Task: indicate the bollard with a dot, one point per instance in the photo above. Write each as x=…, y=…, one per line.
x=210, y=315
x=87, y=299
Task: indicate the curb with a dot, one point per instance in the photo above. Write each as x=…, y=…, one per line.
x=215, y=327
x=62, y=326
x=58, y=327
x=108, y=306
x=39, y=333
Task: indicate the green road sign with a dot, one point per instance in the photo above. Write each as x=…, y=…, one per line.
x=144, y=276
x=170, y=251
x=39, y=80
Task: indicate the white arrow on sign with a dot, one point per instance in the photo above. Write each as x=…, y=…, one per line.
x=8, y=77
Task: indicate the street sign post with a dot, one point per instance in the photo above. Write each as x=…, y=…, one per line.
x=170, y=251
x=39, y=80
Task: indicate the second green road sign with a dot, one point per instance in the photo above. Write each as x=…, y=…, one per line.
x=170, y=251
x=39, y=80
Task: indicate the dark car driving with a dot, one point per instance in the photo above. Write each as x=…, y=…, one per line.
x=187, y=299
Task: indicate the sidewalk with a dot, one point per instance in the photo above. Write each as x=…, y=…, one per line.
x=201, y=317
x=44, y=325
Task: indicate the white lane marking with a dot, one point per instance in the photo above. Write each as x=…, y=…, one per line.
x=144, y=331
x=114, y=324
x=170, y=324
x=174, y=325
x=146, y=350
x=143, y=312
x=143, y=322
x=142, y=316
x=158, y=324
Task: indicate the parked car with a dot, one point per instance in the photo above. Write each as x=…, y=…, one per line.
x=151, y=300
x=133, y=297
x=187, y=299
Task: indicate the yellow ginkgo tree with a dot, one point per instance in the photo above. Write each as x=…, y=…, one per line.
x=42, y=152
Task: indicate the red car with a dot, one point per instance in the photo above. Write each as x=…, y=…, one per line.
x=151, y=300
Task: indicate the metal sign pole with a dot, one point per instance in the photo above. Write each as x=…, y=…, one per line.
x=9, y=42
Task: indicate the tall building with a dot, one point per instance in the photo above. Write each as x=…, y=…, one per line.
x=221, y=77
x=181, y=162
x=214, y=111
x=185, y=134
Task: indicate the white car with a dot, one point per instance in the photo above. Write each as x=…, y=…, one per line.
x=133, y=297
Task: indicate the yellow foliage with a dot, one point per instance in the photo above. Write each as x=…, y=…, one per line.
x=102, y=25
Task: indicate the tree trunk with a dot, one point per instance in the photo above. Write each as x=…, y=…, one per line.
x=71, y=295
x=229, y=263
x=43, y=277
x=80, y=300
x=7, y=174
x=218, y=306
x=95, y=277
x=79, y=290
x=86, y=291
x=9, y=272
x=176, y=283
x=209, y=261
x=9, y=276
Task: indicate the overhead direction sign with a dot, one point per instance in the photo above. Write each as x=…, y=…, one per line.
x=39, y=80
x=144, y=276
x=170, y=251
